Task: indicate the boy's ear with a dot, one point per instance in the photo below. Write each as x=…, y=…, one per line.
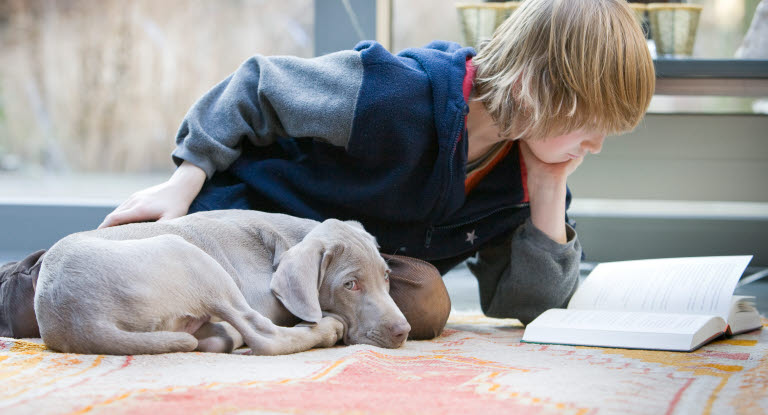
x=300, y=272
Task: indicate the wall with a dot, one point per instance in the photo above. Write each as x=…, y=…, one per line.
x=714, y=168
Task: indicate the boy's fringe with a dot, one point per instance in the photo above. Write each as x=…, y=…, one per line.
x=556, y=66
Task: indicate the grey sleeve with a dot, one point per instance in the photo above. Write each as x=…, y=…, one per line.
x=527, y=274
x=269, y=97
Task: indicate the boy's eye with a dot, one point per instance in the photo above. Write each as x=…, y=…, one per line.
x=351, y=285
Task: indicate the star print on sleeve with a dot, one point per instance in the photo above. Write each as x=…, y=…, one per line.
x=471, y=237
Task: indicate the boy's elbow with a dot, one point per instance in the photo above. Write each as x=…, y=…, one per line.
x=526, y=305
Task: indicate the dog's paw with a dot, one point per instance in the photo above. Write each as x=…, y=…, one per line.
x=332, y=331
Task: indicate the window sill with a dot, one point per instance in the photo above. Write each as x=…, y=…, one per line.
x=718, y=77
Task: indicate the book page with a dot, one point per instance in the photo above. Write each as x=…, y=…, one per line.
x=621, y=321
x=699, y=285
x=743, y=316
x=636, y=330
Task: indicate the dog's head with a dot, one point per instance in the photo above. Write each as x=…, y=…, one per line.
x=336, y=270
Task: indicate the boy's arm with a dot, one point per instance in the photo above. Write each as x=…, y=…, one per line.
x=537, y=268
x=269, y=97
x=527, y=274
x=265, y=98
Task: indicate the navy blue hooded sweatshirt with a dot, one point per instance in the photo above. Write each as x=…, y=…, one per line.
x=379, y=138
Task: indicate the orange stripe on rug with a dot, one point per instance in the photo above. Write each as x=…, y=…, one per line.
x=23, y=346
x=117, y=398
x=96, y=362
x=735, y=342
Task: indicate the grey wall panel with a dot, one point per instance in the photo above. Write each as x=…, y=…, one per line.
x=681, y=157
x=614, y=239
x=27, y=228
x=340, y=24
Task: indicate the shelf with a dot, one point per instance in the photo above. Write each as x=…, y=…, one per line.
x=721, y=77
x=712, y=68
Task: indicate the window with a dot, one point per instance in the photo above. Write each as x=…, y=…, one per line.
x=102, y=86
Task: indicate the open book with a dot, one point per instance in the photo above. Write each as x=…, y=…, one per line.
x=665, y=304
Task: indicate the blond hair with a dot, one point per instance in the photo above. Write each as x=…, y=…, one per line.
x=556, y=66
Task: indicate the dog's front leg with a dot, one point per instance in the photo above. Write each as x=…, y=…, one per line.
x=326, y=332
x=275, y=340
x=266, y=338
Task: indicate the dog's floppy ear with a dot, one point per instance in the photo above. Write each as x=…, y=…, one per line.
x=359, y=226
x=355, y=223
x=296, y=282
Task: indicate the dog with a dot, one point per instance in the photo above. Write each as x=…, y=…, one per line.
x=213, y=281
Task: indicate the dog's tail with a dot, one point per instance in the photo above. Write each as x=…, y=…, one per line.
x=109, y=339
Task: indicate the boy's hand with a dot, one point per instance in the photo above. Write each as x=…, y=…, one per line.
x=540, y=173
x=164, y=201
x=546, y=192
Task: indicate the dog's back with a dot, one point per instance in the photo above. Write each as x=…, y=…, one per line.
x=98, y=296
x=111, y=290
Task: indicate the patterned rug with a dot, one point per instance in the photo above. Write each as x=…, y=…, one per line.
x=478, y=366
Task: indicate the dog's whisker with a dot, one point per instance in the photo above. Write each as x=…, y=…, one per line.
x=393, y=254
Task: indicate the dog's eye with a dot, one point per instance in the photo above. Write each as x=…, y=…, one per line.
x=386, y=277
x=351, y=285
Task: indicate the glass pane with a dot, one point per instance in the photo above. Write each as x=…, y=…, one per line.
x=102, y=86
x=416, y=23
x=722, y=26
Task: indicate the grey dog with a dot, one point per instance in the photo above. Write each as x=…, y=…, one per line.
x=213, y=281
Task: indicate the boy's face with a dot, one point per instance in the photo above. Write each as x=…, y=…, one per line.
x=562, y=148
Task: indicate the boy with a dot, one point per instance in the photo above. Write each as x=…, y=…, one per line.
x=442, y=155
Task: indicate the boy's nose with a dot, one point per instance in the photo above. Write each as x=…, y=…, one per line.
x=594, y=145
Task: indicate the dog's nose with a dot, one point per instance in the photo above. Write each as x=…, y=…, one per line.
x=399, y=331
